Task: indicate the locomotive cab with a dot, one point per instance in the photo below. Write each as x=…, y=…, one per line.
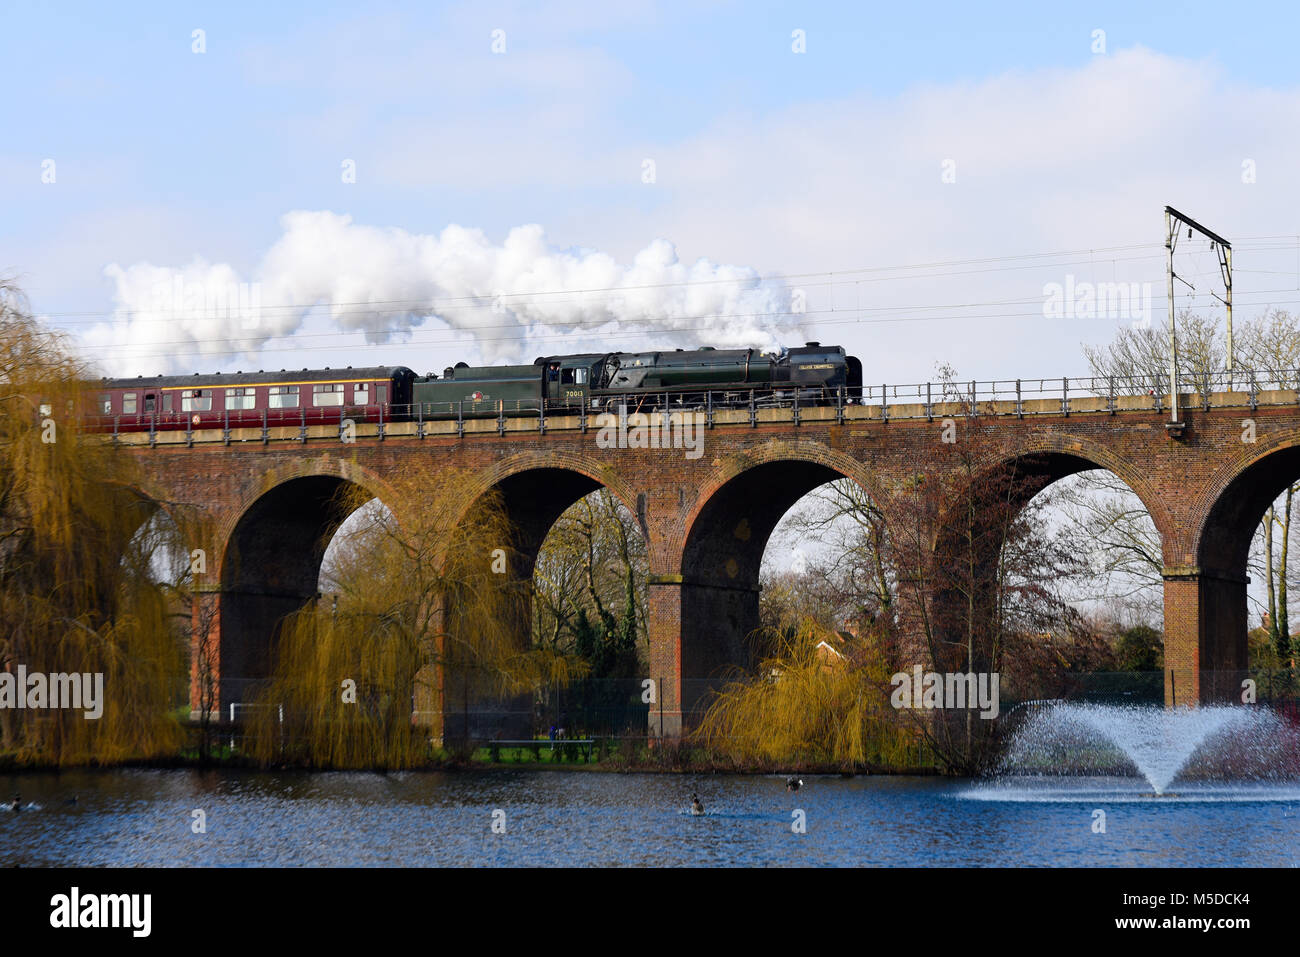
x=568, y=379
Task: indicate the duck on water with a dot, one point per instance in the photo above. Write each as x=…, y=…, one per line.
x=16, y=804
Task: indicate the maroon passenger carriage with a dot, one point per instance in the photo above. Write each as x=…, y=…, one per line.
x=248, y=399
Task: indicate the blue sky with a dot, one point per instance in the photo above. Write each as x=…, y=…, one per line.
x=778, y=162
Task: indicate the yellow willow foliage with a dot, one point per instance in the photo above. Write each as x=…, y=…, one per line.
x=805, y=707
x=420, y=613
x=139, y=662
x=75, y=545
x=342, y=694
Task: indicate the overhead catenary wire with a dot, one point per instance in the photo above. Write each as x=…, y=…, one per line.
x=431, y=307
x=479, y=300
x=434, y=305
x=293, y=342
x=532, y=329
x=538, y=329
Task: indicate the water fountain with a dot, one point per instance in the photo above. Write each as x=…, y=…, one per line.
x=1157, y=740
x=1226, y=753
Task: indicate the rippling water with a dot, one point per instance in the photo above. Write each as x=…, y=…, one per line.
x=129, y=818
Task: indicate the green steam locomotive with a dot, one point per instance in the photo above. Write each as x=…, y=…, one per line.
x=647, y=381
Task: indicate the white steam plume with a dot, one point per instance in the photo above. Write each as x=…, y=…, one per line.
x=386, y=282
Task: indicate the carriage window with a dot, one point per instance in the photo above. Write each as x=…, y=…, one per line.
x=244, y=398
x=284, y=397
x=361, y=394
x=196, y=400
x=149, y=400
x=381, y=393
x=167, y=401
x=106, y=404
x=566, y=377
x=128, y=403
x=580, y=376
x=329, y=394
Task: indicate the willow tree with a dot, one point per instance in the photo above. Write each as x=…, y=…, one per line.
x=77, y=589
x=818, y=700
x=424, y=616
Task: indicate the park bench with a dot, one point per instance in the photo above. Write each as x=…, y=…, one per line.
x=568, y=747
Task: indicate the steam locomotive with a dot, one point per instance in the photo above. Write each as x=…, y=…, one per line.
x=645, y=381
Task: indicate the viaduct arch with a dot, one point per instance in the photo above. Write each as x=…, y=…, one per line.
x=706, y=519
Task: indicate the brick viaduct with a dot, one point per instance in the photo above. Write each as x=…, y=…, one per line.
x=266, y=498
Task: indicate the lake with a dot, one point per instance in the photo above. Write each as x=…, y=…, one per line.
x=145, y=818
